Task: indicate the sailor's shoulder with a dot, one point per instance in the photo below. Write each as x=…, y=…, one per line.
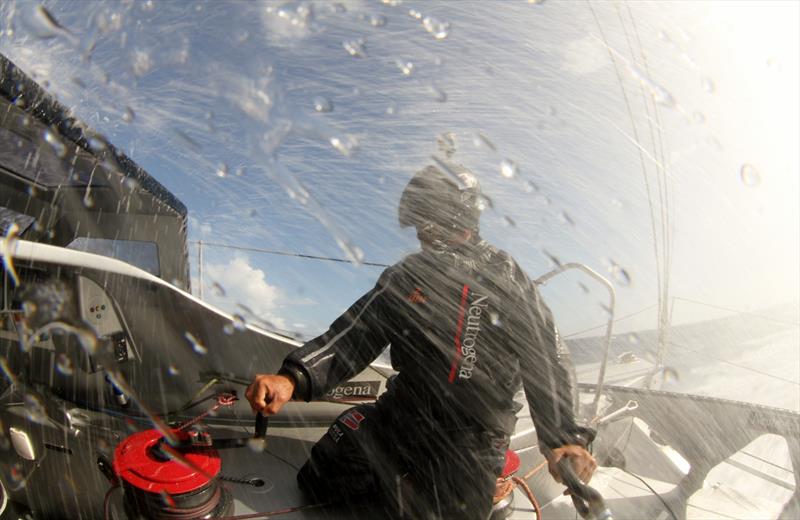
x=507, y=266
x=398, y=271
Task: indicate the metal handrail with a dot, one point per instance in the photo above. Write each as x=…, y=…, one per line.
x=542, y=280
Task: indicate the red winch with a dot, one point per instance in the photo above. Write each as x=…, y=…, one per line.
x=171, y=481
x=175, y=478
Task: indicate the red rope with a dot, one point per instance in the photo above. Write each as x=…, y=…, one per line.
x=535, y=503
x=506, y=486
x=222, y=400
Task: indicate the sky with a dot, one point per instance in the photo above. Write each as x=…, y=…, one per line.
x=293, y=126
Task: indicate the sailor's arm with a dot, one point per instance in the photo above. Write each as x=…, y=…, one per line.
x=548, y=390
x=351, y=343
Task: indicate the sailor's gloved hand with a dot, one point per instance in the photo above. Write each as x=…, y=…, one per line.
x=582, y=461
x=269, y=392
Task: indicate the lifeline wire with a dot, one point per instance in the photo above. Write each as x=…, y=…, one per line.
x=671, y=512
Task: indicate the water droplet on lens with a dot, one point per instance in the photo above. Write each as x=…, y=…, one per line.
x=413, y=13
x=322, y=104
x=34, y=409
x=553, y=258
x=713, y=141
x=257, y=445
x=709, y=86
x=633, y=339
x=530, y=187
x=355, y=48
x=392, y=108
x=670, y=375
x=509, y=221
x=142, y=63
x=217, y=289
x=64, y=365
x=481, y=140
x=346, y=147
x=16, y=476
x=494, y=318
x=566, y=219
x=45, y=26
x=55, y=143
x=660, y=95
x=103, y=446
x=222, y=171
x=28, y=307
x=438, y=94
x=198, y=347
x=130, y=183
x=240, y=171
x=377, y=20
x=698, y=117
x=583, y=288
x=166, y=499
x=619, y=273
x=446, y=142
x=173, y=370
x=406, y=67
x=148, y=6
x=128, y=115
x=536, y=2
x=749, y=175
x=97, y=144
x=439, y=30
x=239, y=323
x=508, y=168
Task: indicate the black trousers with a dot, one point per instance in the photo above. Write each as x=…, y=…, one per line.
x=416, y=469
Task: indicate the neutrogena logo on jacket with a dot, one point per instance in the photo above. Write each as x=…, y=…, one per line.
x=469, y=342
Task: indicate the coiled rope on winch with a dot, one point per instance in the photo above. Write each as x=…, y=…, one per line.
x=507, y=485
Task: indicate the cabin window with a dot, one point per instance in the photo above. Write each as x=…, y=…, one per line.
x=143, y=255
x=43, y=163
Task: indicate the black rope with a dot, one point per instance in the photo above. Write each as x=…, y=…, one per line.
x=289, y=253
x=671, y=512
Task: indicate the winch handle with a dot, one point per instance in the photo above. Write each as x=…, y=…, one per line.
x=262, y=422
x=587, y=500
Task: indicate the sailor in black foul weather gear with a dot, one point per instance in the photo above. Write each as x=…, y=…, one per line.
x=466, y=327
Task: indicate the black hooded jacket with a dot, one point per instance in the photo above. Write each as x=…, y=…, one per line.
x=465, y=328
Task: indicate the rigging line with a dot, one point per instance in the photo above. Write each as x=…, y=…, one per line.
x=606, y=324
x=659, y=162
x=288, y=253
x=643, y=481
x=765, y=461
x=636, y=137
x=793, y=323
x=664, y=198
x=667, y=251
x=670, y=218
x=737, y=365
x=663, y=312
x=667, y=220
x=610, y=123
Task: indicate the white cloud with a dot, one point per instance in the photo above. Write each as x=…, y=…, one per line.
x=244, y=286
